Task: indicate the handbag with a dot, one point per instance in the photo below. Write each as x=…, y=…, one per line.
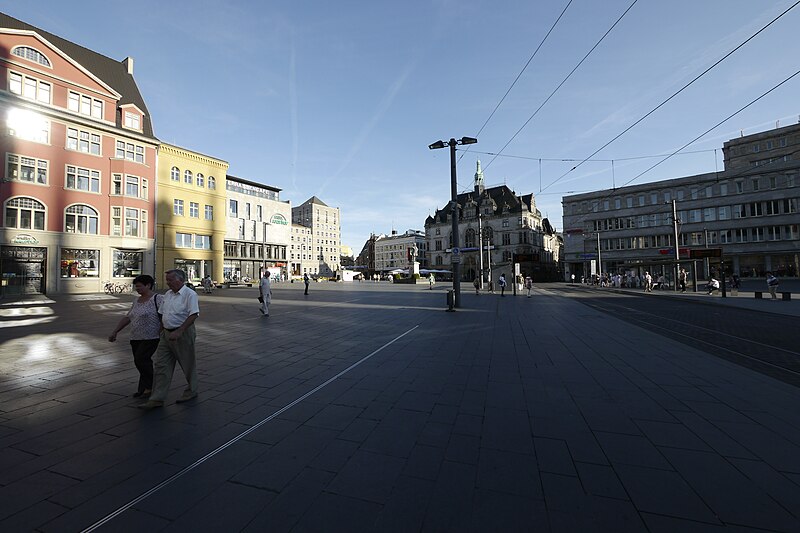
x=260, y=299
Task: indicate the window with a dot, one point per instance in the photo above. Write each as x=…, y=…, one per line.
x=605, y=205
x=81, y=219
x=790, y=206
x=506, y=239
x=247, y=210
x=188, y=177
x=667, y=197
x=85, y=105
x=740, y=211
x=756, y=148
x=212, y=182
x=755, y=209
x=135, y=186
x=641, y=200
x=31, y=54
x=755, y=183
x=438, y=245
x=28, y=126
x=194, y=210
x=617, y=203
x=83, y=179
x=469, y=238
x=133, y=120
x=29, y=88
x=679, y=195
x=233, y=210
x=127, y=264
x=24, y=213
x=505, y=223
x=202, y=242
x=209, y=212
x=129, y=151
x=21, y=168
x=773, y=233
x=723, y=189
x=693, y=193
x=725, y=236
x=709, y=191
x=757, y=234
x=741, y=235
x=175, y=174
x=507, y=256
x=654, y=198
x=183, y=240
x=200, y=180
x=773, y=207
x=739, y=186
x=80, y=263
x=629, y=201
x=792, y=232
x=259, y=213
x=177, y=207
x=694, y=215
x=709, y=214
x=724, y=213
x=83, y=141
x=439, y=260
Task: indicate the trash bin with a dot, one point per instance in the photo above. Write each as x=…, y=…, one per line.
x=451, y=300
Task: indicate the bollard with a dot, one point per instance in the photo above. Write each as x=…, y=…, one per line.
x=451, y=300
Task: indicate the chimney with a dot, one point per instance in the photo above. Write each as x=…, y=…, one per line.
x=128, y=62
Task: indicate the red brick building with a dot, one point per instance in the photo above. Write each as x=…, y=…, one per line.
x=79, y=166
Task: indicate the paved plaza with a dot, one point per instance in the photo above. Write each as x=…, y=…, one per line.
x=367, y=407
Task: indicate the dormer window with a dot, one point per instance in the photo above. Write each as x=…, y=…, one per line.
x=31, y=54
x=133, y=120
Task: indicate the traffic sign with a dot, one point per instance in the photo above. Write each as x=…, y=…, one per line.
x=456, y=251
x=455, y=259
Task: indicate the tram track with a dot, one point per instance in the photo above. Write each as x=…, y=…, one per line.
x=763, y=342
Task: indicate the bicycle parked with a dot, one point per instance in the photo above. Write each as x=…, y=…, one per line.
x=113, y=288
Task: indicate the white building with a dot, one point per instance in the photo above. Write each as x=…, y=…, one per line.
x=510, y=227
x=315, y=241
x=392, y=252
x=257, y=232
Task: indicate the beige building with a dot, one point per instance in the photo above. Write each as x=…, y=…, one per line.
x=316, y=253
x=191, y=213
x=258, y=230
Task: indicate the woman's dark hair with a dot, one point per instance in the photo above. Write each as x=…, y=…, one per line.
x=144, y=279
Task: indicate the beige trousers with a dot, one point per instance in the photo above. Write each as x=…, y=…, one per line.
x=168, y=353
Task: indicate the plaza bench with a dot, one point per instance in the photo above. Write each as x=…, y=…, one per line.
x=785, y=295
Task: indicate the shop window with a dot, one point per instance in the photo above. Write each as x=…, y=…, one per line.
x=127, y=263
x=77, y=263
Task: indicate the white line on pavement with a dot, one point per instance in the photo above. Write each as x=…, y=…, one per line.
x=239, y=437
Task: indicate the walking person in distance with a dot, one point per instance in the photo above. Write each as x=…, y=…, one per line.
x=265, y=293
x=502, y=283
x=772, y=285
x=177, y=344
x=145, y=322
x=306, y=280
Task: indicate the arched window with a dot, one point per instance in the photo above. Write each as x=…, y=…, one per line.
x=488, y=235
x=31, y=54
x=212, y=182
x=187, y=177
x=200, y=180
x=175, y=174
x=80, y=219
x=24, y=213
x=469, y=238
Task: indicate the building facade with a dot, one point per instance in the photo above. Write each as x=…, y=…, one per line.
x=78, y=187
x=317, y=254
x=393, y=252
x=500, y=225
x=191, y=213
x=748, y=211
x=258, y=230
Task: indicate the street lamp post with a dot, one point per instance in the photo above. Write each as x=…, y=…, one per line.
x=455, y=258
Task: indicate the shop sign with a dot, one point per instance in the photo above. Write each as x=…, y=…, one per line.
x=278, y=219
x=24, y=238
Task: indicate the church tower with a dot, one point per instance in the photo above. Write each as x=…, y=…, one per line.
x=479, y=179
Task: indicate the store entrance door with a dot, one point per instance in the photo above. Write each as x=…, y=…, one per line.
x=23, y=270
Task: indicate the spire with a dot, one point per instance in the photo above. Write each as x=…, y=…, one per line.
x=479, y=178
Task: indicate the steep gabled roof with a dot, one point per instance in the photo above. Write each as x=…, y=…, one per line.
x=315, y=200
x=501, y=196
x=112, y=72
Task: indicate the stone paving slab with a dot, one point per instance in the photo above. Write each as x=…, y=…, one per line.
x=501, y=416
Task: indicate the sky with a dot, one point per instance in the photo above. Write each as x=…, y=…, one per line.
x=341, y=99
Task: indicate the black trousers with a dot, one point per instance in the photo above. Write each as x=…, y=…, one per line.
x=143, y=359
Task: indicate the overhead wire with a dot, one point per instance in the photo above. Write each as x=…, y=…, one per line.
x=552, y=27
x=564, y=81
x=676, y=93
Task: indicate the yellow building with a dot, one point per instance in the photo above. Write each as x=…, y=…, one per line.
x=190, y=229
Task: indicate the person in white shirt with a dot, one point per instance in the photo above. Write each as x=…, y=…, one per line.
x=179, y=311
x=265, y=292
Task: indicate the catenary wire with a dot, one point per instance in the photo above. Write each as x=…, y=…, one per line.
x=676, y=93
x=552, y=27
x=585, y=57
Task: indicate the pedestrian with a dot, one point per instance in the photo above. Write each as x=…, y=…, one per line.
x=431, y=281
x=502, y=283
x=772, y=285
x=265, y=293
x=477, y=284
x=682, y=279
x=648, y=282
x=178, y=313
x=207, y=284
x=529, y=285
x=713, y=285
x=306, y=281
x=145, y=329
x=572, y=278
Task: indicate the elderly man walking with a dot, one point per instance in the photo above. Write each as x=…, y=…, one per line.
x=179, y=310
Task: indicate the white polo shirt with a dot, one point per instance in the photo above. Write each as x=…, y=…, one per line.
x=178, y=306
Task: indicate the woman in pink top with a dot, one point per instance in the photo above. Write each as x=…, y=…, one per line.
x=145, y=323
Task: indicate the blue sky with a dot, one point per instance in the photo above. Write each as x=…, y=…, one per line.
x=341, y=99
